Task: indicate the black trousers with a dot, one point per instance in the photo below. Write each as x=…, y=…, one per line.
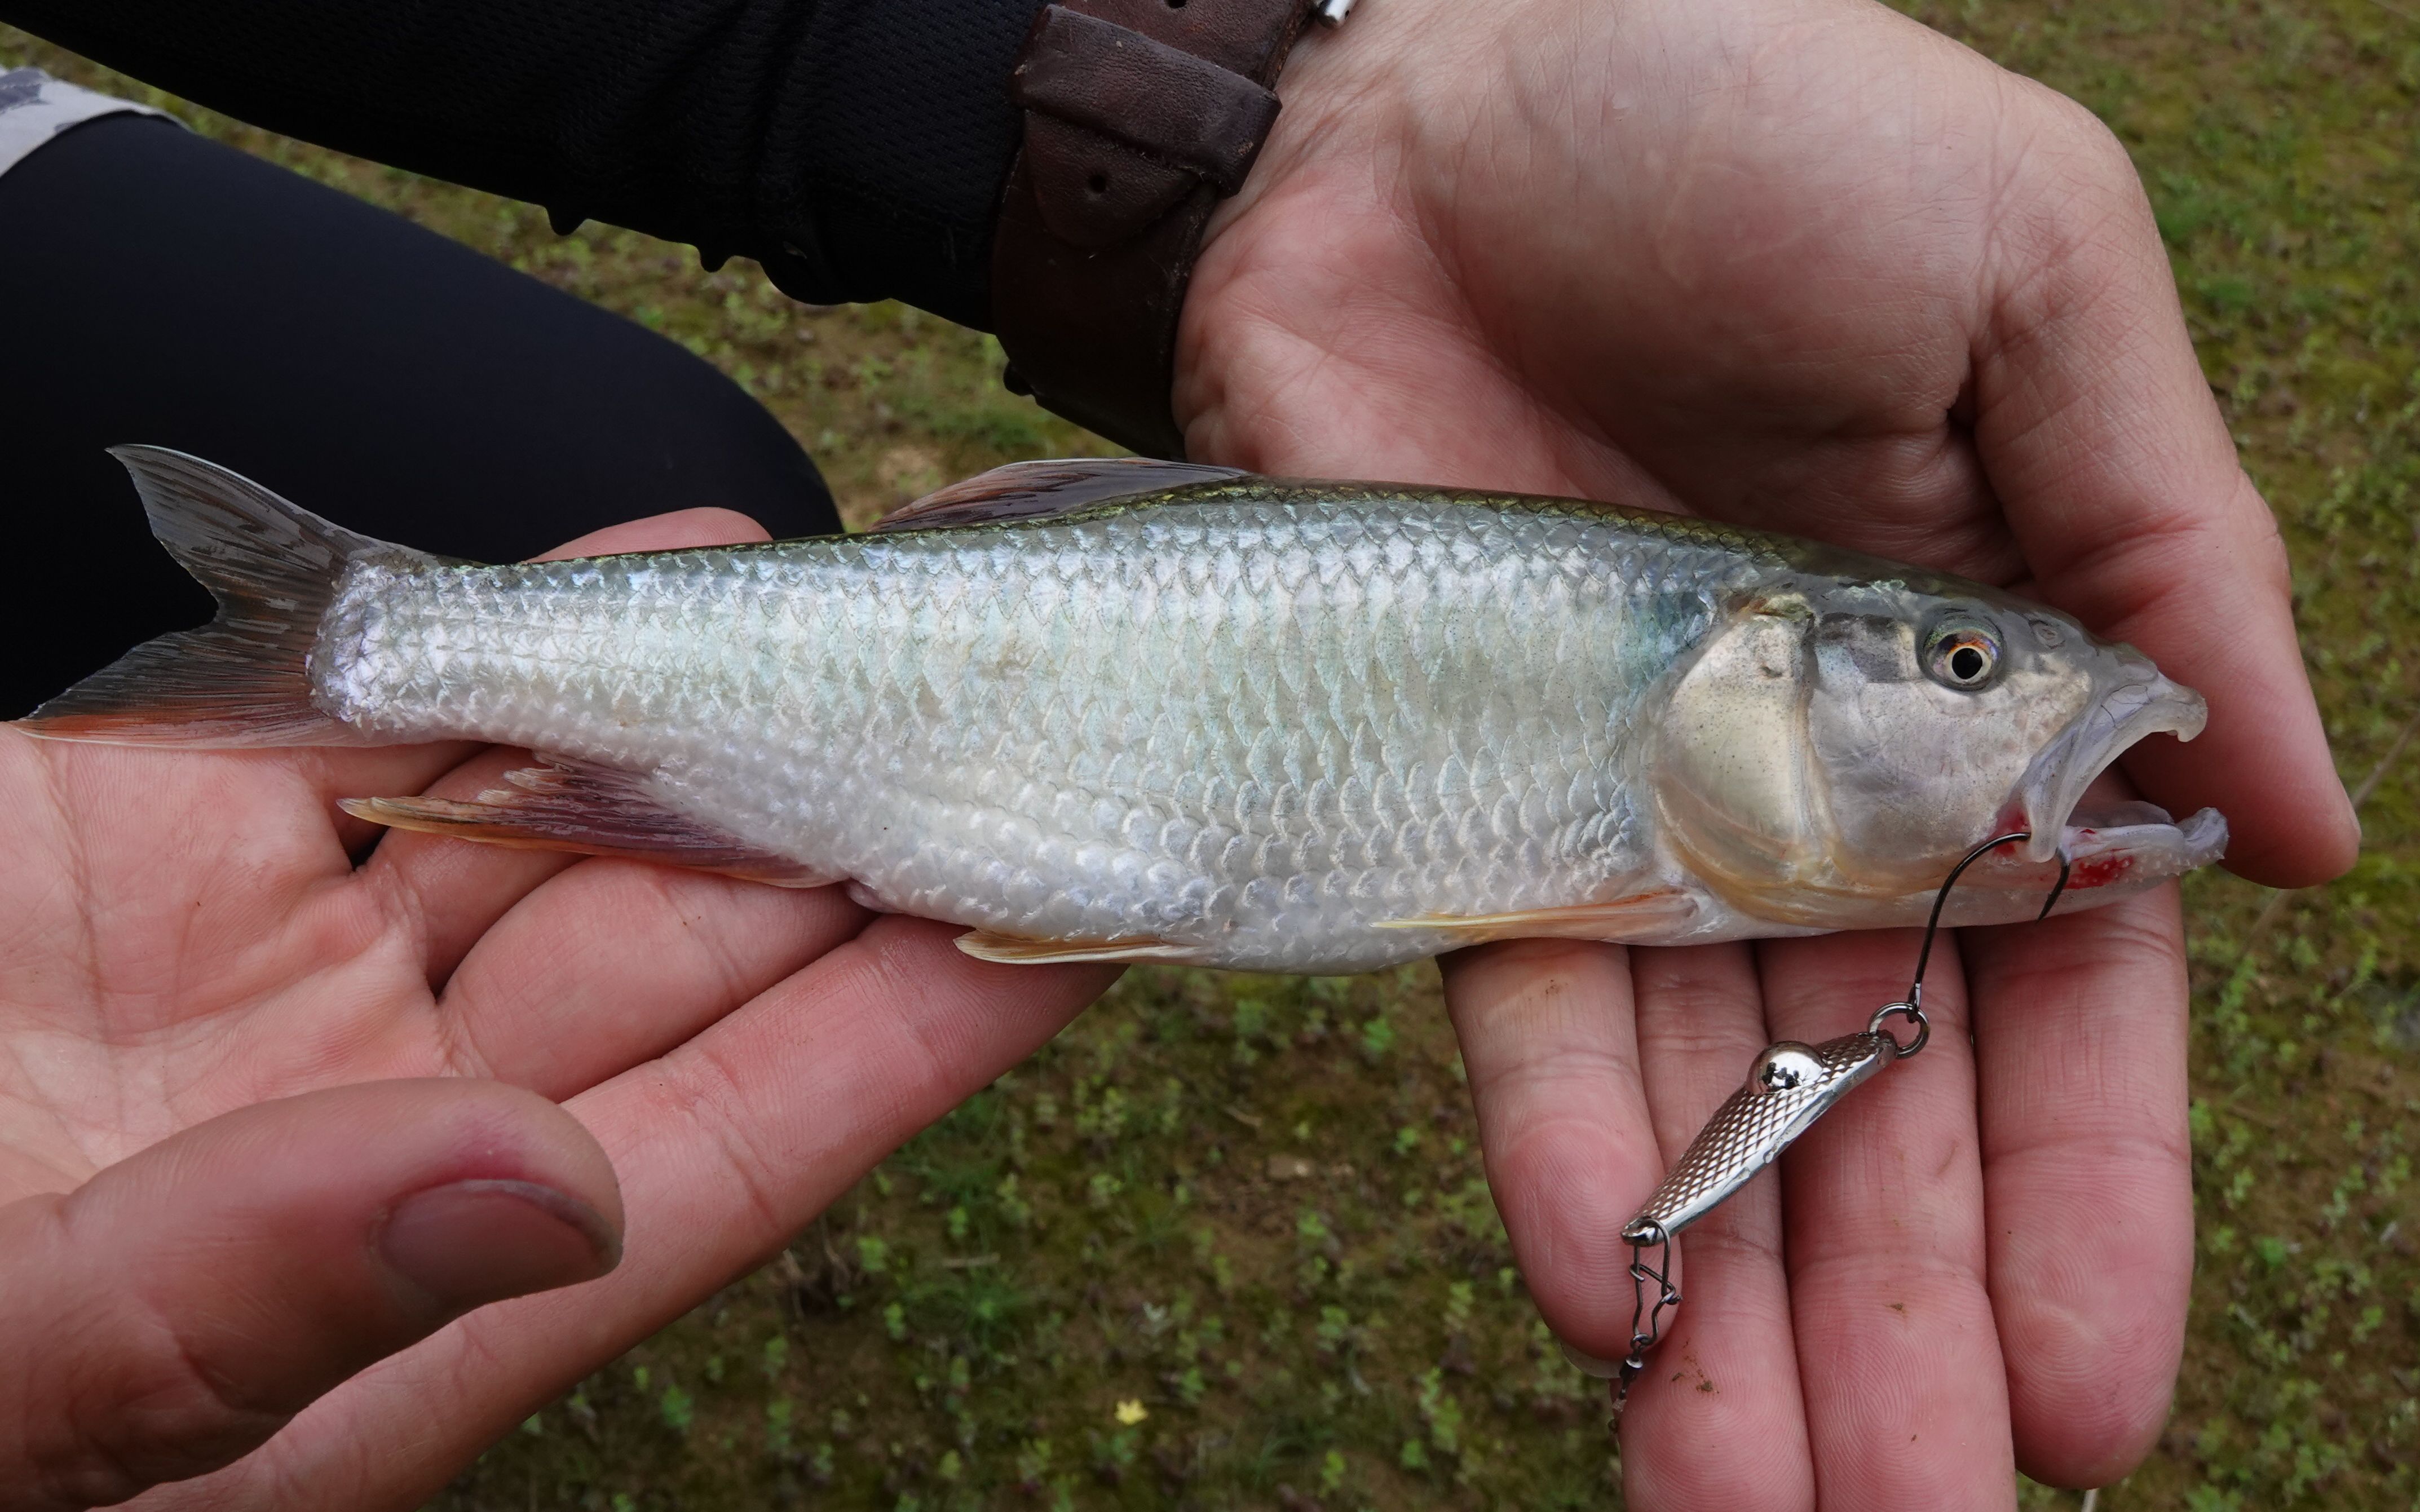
x=157, y=287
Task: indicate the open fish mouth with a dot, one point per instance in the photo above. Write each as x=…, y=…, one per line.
x=2132, y=842
x=2139, y=843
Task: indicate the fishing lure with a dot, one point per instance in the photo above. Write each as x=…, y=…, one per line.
x=1789, y=1087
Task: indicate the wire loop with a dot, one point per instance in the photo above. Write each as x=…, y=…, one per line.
x=1916, y=1019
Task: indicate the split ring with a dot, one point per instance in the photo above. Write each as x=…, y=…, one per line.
x=1913, y=1014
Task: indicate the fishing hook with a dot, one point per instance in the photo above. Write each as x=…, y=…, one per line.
x=1915, y=998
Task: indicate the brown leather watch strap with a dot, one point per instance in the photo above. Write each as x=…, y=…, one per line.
x=1139, y=115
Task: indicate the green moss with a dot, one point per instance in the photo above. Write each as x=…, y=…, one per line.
x=1254, y=1208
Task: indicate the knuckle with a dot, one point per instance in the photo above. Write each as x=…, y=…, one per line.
x=167, y=1412
x=2077, y=225
x=1708, y=1034
x=2099, y=153
x=2066, y=136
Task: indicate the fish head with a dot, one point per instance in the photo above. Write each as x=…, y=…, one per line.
x=1842, y=740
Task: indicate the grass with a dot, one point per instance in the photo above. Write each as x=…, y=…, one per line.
x=1225, y=1243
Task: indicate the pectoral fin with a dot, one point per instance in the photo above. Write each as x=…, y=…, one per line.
x=1641, y=916
x=571, y=806
x=1009, y=950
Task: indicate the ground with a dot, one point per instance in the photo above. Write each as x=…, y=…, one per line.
x=1225, y=1245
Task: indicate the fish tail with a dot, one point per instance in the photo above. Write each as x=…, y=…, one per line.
x=243, y=679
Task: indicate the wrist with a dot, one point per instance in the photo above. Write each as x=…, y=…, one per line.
x=1138, y=118
x=1327, y=269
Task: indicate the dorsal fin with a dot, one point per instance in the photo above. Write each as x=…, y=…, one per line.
x=1033, y=490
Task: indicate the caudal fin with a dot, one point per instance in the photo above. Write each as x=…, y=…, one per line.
x=242, y=679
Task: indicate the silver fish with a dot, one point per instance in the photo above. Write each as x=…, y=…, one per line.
x=1152, y=711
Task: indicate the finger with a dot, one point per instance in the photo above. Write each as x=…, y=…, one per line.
x=671, y=531
x=452, y=890
x=2080, y=1036
x=615, y=962
x=1546, y=1037
x=1716, y=1421
x=1906, y=1396
x=173, y=1312
x=725, y=1149
x=2098, y=431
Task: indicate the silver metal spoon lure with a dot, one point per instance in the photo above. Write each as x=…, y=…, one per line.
x=1790, y=1086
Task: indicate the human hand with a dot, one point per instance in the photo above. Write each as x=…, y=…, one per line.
x=272, y=1127
x=1806, y=265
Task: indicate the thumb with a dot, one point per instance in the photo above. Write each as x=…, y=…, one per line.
x=2099, y=433
x=170, y=1315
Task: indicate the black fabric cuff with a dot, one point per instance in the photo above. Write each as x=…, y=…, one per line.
x=856, y=147
x=889, y=143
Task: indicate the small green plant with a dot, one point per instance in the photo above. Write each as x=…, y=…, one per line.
x=1442, y=1413
x=1459, y=1300
x=679, y=1409
x=1332, y=1472
x=780, y=1413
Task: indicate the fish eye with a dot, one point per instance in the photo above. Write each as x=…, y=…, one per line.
x=1961, y=655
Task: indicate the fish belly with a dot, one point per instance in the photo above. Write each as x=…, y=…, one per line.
x=1257, y=730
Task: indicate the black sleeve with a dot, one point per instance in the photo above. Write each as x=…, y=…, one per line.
x=856, y=147
x=443, y=400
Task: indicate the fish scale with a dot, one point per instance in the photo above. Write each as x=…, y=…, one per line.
x=1260, y=727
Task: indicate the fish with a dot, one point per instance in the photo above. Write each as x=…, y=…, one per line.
x=1131, y=710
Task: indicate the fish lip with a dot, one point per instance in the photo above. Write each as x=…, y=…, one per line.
x=2153, y=846
x=2139, y=705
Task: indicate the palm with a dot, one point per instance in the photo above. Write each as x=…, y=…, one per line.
x=1808, y=268
x=188, y=935
x=173, y=970
x=1595, y=312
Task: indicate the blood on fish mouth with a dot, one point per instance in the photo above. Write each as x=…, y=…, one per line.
x=2100, y=871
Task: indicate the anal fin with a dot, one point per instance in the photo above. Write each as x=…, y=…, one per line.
x=1642, y=916
x=573, y=806
x=1011, y=949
